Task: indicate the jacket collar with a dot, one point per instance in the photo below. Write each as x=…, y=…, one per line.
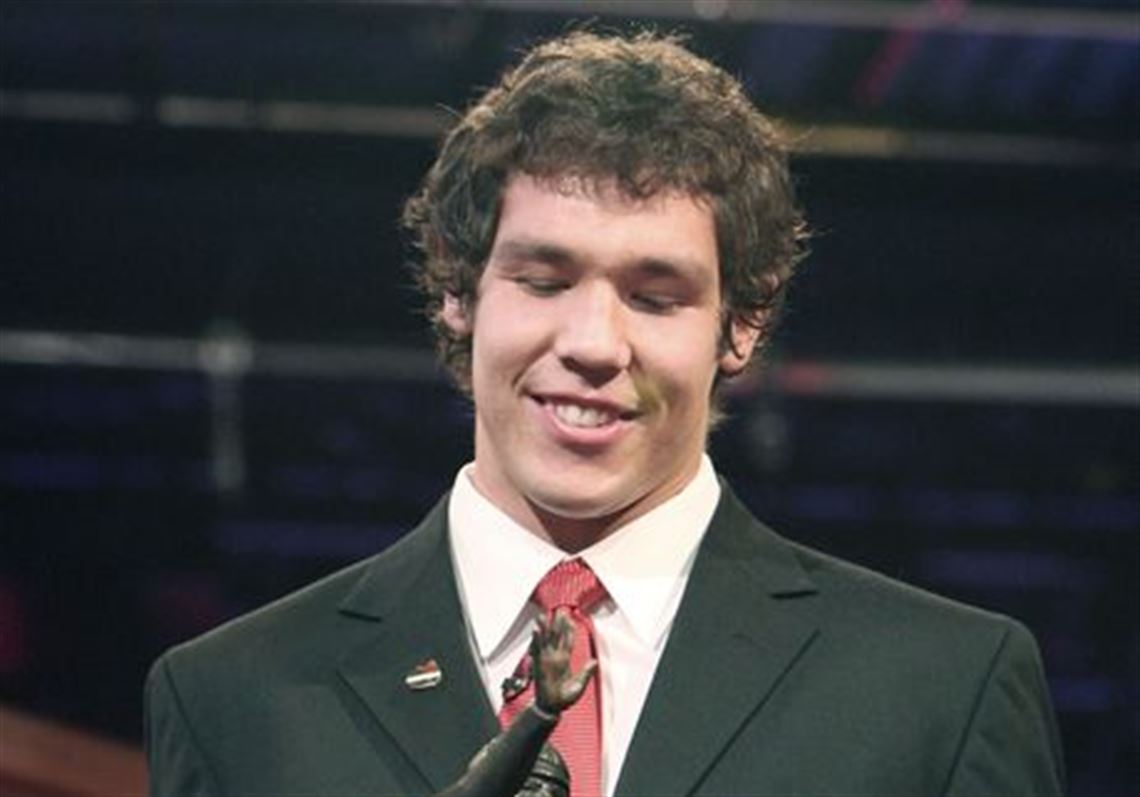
x=746, y=619
x=410, y=594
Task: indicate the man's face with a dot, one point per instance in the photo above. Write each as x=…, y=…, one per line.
x=595, y=345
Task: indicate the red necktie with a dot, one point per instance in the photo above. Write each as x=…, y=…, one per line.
x=573, y=586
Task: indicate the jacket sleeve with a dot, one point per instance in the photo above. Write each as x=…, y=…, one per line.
x=177, y=766
x=1011, y=745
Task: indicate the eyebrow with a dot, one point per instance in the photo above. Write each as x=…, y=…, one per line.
x=526, y=249
x=541, y=251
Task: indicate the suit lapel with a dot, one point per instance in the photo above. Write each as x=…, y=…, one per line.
x=410, y=594
x=746, y=618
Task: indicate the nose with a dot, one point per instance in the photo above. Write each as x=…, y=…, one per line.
x=592, y=336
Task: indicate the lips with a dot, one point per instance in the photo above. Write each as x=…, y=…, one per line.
x=583, y=419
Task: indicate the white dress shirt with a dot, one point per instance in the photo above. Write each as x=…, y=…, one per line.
x=644, y=567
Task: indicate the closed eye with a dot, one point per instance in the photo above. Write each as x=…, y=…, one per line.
x=657, y=303
x=539, y=286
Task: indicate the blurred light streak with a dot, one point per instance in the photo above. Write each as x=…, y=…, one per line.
x=305, y=540
x=944, y=508
x=69, y=106
x=831, y=503
x=86, y=472
x=1091, y=512
x=1015, y=20
x=892, y=143
x=986, y=568
x=1090, y=695
x=179, y=111
x=902, y=42
x=304, y=117
x=844, y=141
x=52, y=471
x=189, y=354
x=1061, y=384
x=1057, y=385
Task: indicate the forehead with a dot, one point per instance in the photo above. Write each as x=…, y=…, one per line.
x=607, y=193
x=595, y=220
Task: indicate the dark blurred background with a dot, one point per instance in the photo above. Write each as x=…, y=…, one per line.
x=216, y=384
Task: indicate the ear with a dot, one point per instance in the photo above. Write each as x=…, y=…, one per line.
x=455, y=315
x=744, y=338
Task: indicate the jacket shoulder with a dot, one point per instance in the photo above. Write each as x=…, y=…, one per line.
x=866, y=600
x=303, y=628
x=845, y=596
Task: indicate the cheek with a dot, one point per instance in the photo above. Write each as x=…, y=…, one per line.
x=504, y=344
x=679, y=367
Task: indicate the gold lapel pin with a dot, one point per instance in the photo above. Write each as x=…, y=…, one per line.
x=425, y=675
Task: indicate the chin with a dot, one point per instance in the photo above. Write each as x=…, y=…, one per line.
x=584, y=504
x=587, y=504
x=571, y=507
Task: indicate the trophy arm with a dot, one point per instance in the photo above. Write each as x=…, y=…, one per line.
x=501, y=768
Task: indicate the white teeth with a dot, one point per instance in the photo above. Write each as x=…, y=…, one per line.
x=586, y=417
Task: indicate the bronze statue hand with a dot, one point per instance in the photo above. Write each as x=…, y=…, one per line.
x=518, y=761
x=555, y=687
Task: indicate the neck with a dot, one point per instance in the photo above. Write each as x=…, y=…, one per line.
x=575, y=534
x=572, y=535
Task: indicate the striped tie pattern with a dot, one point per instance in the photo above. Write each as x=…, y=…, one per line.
x=572, y=585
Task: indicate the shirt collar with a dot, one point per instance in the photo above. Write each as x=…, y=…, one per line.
x=644, y=565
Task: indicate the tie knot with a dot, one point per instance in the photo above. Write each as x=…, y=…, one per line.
x=571, y=584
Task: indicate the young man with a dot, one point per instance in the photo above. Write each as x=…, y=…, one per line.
x=605, y=236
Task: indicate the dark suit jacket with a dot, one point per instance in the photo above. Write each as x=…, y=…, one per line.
x=787, y=672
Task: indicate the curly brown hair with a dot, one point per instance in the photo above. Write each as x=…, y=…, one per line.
x=641, y=112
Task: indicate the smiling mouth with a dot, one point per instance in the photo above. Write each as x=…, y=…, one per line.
x=576, y=414
x=582, y=417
